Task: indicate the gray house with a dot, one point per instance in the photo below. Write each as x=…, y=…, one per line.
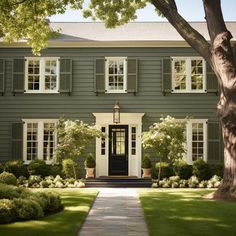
x=147, y=67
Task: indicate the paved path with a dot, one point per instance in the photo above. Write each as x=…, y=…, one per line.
x=116, y=212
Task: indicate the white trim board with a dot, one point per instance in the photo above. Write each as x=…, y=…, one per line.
x=130, y=119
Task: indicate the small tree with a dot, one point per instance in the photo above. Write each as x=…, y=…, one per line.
x=167, y=138
x=73, y=137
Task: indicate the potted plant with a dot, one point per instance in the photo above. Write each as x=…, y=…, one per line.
x=89, y=164
x=146, y=167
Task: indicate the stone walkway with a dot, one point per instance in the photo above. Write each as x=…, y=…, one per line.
x=116, y=212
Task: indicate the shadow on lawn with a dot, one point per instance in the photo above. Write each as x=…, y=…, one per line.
x=180, y=213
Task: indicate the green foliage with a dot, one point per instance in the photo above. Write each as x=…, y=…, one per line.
x=27, y=209
x=70, y=168
x=146, y=162
x=182, y=169
x=1, y=168
x=114, y=13
x=73, y=137
x=34, y=180
x=7, y=211
x=201, y=170
x=90, y=161
x=8, y=178
x=17, y=168
x=166, y=169
x=217, y=169
x=51, y=202
x=28, y=20
x=55, y=170
x=18, y=203
x=38, y=167
x=166, y=138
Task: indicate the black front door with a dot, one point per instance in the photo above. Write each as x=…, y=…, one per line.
x=118, y=150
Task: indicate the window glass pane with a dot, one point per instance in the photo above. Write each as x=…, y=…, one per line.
x=48, y=141
x=50, y=75
x=197, y=141
x=103, y=142
x=118, y=142
x=180, y=75
x=32, y=141
x=196, y=74
x=133, y=140
x=33, y=74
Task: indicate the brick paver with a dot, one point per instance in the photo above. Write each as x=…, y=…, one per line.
x=116, y=212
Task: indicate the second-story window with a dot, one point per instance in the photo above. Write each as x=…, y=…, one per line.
x=188, y=75
x=116, y=74
x=41, y=75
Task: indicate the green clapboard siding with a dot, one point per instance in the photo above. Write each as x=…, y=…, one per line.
x=99, y=75
x=17, y=141
x=132, y=77
x=212, y=82
x=166, y=76
x=88, y=72
x=214, y=144
x=18, y=75
x=2, y=76
x=65, y=75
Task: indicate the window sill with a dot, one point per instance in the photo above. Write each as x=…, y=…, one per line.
x=41, y=92
x=116, y=91
x=192, y=92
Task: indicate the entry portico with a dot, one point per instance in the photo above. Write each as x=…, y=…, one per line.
x=120, y=153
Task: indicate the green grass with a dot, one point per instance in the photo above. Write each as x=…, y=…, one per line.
x=65, y=223
x=183, y=212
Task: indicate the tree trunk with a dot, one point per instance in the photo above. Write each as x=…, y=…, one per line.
x=218, y=53
x=159, y=171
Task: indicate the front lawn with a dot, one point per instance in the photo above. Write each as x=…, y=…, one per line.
x=183, y=212
x=65, y=223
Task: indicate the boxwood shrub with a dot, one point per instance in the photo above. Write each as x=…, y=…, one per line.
x=182, y=169
x=166, y=169
x=38, y=167
x=68, y=167
x=18, y=203
x=201, y=170
x=17, y=168
x=8, y=178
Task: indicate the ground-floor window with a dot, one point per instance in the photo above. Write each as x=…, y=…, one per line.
x=196, y=140
x=39, y=139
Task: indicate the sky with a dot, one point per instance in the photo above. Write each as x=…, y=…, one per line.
x=192, y=10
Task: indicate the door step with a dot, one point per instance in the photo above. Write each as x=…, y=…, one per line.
x=118, y=183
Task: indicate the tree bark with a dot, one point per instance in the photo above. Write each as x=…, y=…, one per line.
x=219, y=55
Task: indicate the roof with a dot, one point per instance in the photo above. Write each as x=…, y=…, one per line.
x=133, y=34
x=134, y=31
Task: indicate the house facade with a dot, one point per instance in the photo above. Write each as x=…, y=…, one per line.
x=147, y=67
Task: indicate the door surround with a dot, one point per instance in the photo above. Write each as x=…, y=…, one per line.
x=102, y=159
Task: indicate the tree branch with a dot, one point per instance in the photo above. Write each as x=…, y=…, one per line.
x=169, y=9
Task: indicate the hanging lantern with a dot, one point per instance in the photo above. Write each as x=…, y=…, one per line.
x=116, y=113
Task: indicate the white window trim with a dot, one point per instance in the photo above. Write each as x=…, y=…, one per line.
x=42, y=74
x=107, y=73
x=40, y=123
x=188, y=75
x=188, y=155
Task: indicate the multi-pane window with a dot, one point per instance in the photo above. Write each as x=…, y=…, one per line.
x=188, y=75
x=32, y=141
x=116, y=74
x=118, y=141
x=42, y=75
x=196, y=140
x=133, y=140
x=39, y=139
x=103, y=141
